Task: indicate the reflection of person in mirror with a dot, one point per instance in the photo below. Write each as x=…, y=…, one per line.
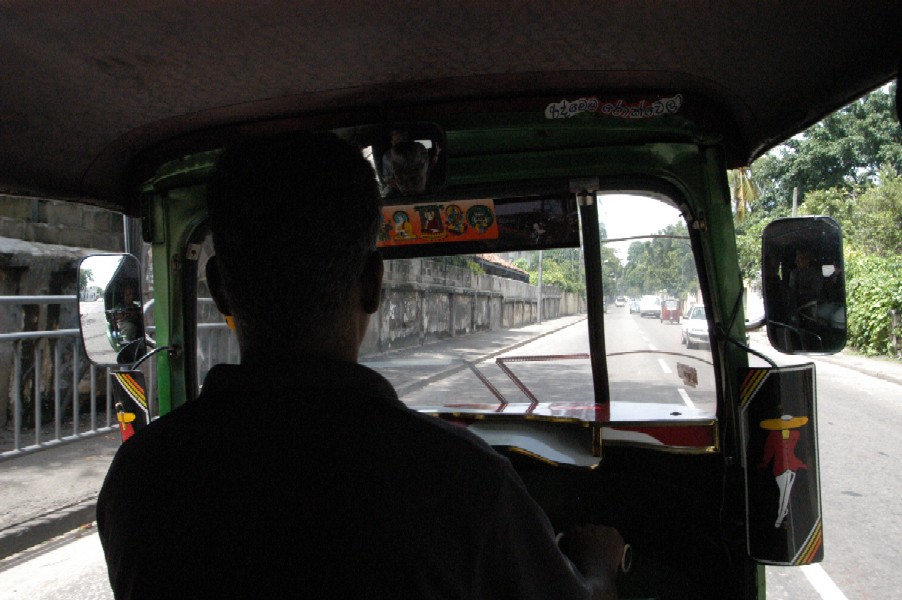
x=833, y=288
x=805, y=283
x=780, y=449
x=409, y=168
x=127, y=315
x=538, y=230
x=395, y=136
x=353, y=494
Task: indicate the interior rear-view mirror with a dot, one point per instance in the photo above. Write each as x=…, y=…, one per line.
x=409, y=157
x=803, y=283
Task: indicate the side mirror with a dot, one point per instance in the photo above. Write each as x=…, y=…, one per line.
x=803, y=281
x=111, y=316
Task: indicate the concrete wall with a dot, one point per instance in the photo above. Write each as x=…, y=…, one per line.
x=60, y=223
x=424, y=300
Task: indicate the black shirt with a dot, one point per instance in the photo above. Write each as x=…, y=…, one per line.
x=316, y=481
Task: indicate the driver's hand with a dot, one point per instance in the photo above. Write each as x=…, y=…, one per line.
x=596, y=550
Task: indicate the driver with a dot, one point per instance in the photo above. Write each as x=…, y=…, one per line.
x=299, y=471
x=805, y=283
x=127, y=315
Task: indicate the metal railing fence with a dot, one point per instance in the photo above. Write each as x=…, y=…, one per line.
x=68, y=360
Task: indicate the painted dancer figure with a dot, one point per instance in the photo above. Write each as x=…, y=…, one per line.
x=780, y=449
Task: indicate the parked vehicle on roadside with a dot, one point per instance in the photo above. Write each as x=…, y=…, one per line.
x=620, y=301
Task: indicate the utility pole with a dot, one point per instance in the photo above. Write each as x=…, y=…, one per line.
x=539, y=305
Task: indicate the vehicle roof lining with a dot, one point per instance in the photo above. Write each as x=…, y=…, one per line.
x=90, y=90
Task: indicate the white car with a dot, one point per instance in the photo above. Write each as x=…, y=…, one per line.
x=695, y=327
x=650, y=306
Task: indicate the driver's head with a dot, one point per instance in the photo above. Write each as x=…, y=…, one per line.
x=294, y=220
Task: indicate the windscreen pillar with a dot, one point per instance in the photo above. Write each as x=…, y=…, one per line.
x=588, y=211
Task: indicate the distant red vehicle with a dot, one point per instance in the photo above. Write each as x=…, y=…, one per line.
x=670, y=311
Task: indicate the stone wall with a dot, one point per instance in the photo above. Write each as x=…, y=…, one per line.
x=424, y=300
x=60, y=223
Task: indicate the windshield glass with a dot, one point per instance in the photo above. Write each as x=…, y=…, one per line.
x=497, y=333
x=507, y=333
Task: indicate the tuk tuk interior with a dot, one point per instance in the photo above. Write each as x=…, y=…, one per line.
x=573, y=109
x=633, y=438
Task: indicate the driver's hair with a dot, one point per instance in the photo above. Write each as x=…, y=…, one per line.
x=293, y=219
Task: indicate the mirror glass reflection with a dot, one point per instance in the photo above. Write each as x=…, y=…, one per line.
x=408, y=157
x=804, y=285
x=110, y=311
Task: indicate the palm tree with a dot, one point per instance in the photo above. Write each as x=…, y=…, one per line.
x=742, y=189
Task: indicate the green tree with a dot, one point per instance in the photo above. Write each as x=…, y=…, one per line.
x=660, y=264
x=743, y=191
x=611, y=272
x=85, y=276
x=873, y=289
x=561, y=267
x=870, y=216
x=878, y=226
x=748, y=240
x=850, y=147
x=463, y=260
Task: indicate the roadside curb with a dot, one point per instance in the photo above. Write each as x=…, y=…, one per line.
x=840, y=362
x=865, y=365
x=35, y=531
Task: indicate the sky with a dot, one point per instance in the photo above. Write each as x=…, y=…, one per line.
x=626, y=215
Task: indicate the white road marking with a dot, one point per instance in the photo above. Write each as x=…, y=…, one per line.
x=652, y=347
x=664, y=366
x=822, y=583
x=685, y=396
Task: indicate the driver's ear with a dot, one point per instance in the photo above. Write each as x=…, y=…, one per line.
x=214, y=282
x=371, y=282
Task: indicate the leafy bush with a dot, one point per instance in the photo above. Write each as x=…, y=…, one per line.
x=873, y=288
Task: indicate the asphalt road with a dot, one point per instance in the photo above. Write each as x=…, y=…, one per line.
x=645, y=359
